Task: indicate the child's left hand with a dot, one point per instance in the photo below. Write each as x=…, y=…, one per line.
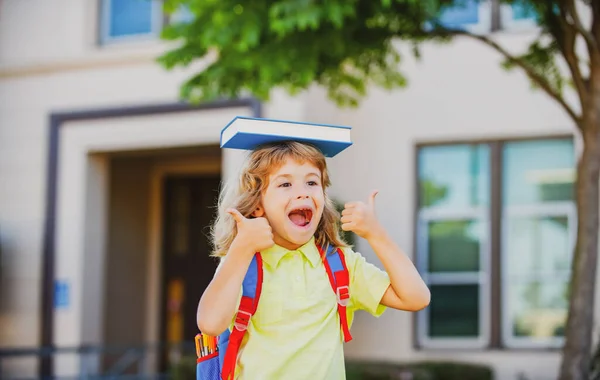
x=359, y=217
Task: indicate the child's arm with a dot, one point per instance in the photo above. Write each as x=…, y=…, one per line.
x=220, y=300
x=407, y=290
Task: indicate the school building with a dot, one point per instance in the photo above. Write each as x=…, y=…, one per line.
x=107, y=187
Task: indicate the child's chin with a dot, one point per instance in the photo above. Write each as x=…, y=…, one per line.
x=300, y=235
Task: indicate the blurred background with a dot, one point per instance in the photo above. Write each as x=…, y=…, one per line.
x=108, y=182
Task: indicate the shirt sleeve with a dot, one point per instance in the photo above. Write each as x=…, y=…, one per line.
x=368, y=283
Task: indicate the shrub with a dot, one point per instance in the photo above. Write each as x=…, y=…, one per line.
x=426, y=370
x=184, y=369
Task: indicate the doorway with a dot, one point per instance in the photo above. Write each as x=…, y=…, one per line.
x=189, y=208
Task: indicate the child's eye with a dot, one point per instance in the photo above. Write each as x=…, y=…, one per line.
x=285, y=184
x=312, y=183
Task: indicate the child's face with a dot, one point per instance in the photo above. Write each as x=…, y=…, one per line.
x=293, y=203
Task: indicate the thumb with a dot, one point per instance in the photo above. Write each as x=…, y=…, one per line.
x=239, y=218
x=372, y=198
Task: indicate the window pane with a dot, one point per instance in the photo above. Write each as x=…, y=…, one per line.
x=463, y=12
x=454, y=245
x=538, y=245
x=538, y=171
x=540, y=308
x=130, y=17
x=521, y=10
x=454, y=176
x=454, y=311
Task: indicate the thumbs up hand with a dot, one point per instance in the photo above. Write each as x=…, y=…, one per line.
x=255, y=234
x=359, y=217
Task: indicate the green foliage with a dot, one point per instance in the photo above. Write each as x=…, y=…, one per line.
x=542, y=60
x=541, y=56
x=251, y=48
x=419, y=370
x=184, y=369
x=254, y=47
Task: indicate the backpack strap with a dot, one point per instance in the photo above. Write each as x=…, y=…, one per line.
x=251, y=289
x=339, y=278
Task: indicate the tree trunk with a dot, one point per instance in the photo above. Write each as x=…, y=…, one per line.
x=576, y=359
x=595, y=365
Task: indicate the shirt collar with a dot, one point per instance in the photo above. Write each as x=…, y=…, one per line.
x=272, y=256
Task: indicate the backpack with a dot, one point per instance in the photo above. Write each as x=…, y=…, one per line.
x=217, y=356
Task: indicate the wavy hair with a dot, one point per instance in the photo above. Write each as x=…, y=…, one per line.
x=244, y=193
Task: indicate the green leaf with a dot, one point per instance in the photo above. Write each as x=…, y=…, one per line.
x=343, y=45
x=541, y=59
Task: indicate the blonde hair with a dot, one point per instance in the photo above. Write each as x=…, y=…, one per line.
x=244, y=193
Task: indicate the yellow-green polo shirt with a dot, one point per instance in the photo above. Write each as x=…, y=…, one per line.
x=295, y=332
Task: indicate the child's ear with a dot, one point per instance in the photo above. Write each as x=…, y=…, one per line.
x=258, y=212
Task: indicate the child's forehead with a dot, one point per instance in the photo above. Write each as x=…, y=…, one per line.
x=292, y=162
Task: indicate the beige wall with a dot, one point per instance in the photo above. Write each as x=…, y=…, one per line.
x=49, y=63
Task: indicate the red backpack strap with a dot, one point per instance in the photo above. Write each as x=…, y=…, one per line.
x=251, y=289
x=339, y=278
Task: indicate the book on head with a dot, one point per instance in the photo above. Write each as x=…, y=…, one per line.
x=247, y=133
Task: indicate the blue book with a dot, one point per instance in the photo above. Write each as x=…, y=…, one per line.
x=247, y=133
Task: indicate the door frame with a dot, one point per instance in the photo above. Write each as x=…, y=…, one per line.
x=154, y=294
x=52, y=219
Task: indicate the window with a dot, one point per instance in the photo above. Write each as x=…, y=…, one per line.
x=126, y=20
x=477, y=16
x=453, y=243
x=530, y=185
x=517, y=16
x=538, y=219
x=471, y=15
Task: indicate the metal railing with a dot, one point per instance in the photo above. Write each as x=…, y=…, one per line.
x=102, y=362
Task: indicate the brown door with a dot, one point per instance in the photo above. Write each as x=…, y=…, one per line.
x=189, y=209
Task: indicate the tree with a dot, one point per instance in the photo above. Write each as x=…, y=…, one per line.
x=347, y=45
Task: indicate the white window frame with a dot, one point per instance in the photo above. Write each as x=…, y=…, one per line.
x=481, y=278
x=105, y=16
x=549, y=209
x=509, y=24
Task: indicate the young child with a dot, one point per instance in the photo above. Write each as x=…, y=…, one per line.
x=280, y=208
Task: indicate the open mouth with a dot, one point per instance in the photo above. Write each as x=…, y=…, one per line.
x=301, y=216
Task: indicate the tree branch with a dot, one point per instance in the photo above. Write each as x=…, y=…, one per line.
x=595, y=27
x=589, y=38
x=596, y=19
x=535, y=77
x=566, y=41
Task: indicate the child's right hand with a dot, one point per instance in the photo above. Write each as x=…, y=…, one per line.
x=255, y=234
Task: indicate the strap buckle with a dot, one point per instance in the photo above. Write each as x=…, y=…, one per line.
x=343, y=295
x=241, y=321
